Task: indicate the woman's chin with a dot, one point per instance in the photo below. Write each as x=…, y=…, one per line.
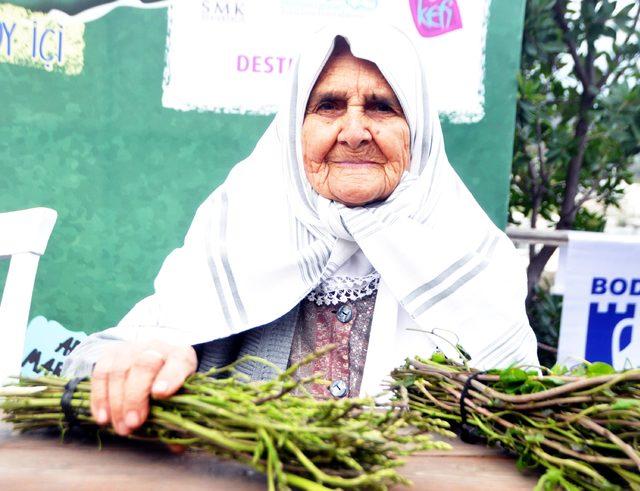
x=358, y=197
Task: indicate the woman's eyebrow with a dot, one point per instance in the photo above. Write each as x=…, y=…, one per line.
x=389, y=99
x=327, y=95
x=381, y=98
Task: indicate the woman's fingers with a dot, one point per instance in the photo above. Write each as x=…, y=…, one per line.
x=99, y=391
x=138, y=384
x=117, y=377
x=123, y=379
x=180, y=363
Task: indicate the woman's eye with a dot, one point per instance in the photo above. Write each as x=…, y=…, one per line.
x=381, y=107
x=327, y=106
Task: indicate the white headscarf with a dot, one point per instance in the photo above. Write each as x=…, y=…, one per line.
x=265, y=238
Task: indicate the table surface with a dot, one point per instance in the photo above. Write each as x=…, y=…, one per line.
x=41, y=461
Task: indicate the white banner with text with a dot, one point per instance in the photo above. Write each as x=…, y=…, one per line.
x=600, y=277
x=233, y=56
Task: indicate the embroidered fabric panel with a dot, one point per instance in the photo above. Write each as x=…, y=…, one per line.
x=318, y=326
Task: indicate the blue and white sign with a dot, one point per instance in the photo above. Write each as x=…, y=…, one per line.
x=46, y=345
x=600, y=277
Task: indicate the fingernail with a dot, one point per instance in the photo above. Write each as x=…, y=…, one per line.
x=160, y=386
x=102, y=416
x=122, y=429
x=132, y=419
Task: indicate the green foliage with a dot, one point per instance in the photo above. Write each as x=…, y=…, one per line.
x=599, y=368
x=624, y=404
x=577, y=127
x=579, y=426
x=590, y=221
x=274, y=426
x=579, y=69
x=513, y=376
x=514, y=380
x=438, y=357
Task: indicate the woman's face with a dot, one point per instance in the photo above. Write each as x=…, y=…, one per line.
x=355, y=138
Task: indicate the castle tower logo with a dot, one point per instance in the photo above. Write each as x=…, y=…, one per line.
x=613, y=335
x=613, y=329
x=435, y=17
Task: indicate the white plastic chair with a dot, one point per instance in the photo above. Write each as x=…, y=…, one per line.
x=24, y=235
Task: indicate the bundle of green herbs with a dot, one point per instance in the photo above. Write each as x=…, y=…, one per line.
x=580, y=426
x=274, y=427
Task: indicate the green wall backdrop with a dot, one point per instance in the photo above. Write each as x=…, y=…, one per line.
x=126, y=174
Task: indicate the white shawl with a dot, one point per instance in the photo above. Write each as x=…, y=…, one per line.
x=265, y=238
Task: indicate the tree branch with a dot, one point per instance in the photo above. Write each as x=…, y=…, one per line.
x=613, y=66
x=544, y=176
x=618, y=73
x=584, y=71
x=536, y=195
x=589, y=64
x=568, y=207
x=536, y=266
x=578, y=204
x=559, y=10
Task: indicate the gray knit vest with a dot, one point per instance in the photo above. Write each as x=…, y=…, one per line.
x=271, y=342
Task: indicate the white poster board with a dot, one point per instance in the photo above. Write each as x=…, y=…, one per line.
x=600, y=276
x=233, y=56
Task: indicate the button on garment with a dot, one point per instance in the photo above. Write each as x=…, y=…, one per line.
x=338, y=388
x=345, y=313
x=346, y=325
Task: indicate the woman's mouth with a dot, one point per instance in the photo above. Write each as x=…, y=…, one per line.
x=355, y=163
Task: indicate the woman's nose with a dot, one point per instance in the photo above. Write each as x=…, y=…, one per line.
x=354, y=131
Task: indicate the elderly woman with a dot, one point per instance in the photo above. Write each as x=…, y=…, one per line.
x=346, y=225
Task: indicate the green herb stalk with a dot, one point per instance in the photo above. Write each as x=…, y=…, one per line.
x=296, y=440
x=581, y=426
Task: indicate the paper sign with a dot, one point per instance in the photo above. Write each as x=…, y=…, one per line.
x=234, y=56
x=38, y=40
x=46, y=345
x=435, y=17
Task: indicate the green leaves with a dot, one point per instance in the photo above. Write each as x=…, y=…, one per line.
x=599, y=368
x=558, y=369
x=624, y=404
x=551, y=102
x=408, y=381
x=438, y=357
x=577, y=119
x=513, y=376
x=518, y=381
x=565, y=430
x=554, y=479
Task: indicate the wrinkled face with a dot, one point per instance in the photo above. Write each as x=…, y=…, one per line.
x=355, y=138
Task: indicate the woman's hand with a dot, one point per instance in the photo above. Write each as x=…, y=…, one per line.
x=127, y=374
